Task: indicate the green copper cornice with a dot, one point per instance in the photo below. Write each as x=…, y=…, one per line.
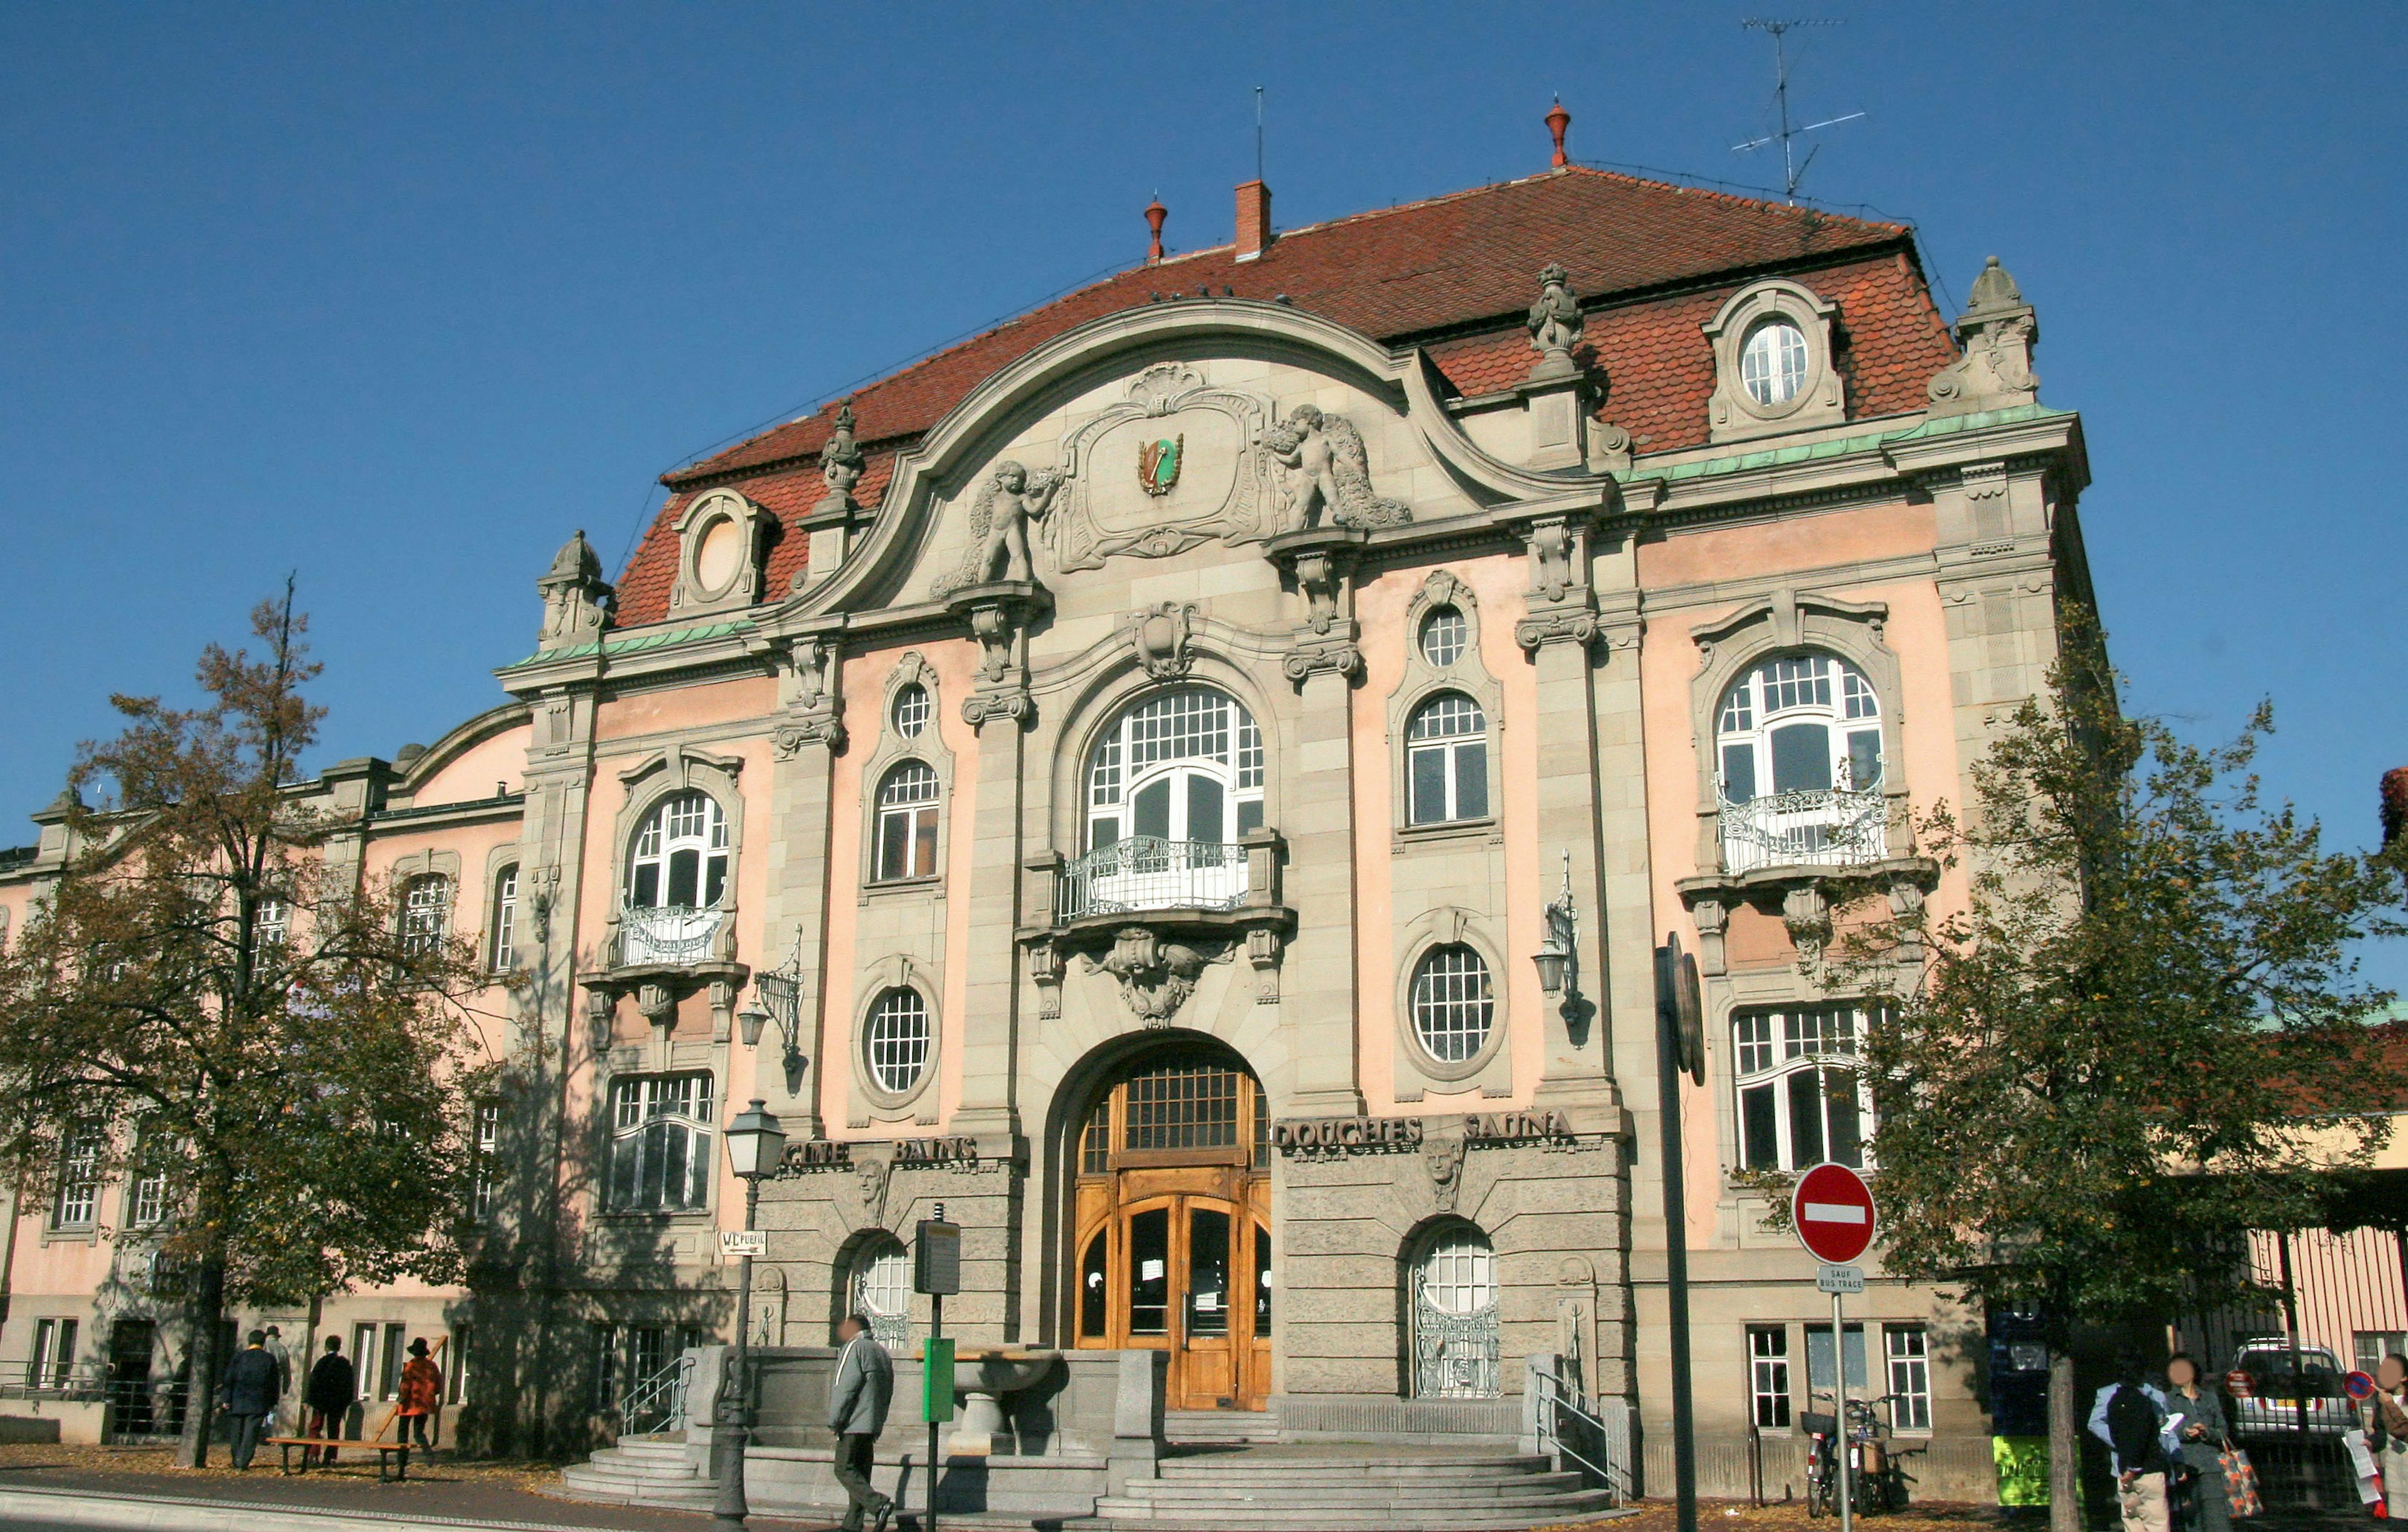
x=1773, y=457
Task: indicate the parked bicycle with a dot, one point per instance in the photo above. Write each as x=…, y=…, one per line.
x=1877, y=1480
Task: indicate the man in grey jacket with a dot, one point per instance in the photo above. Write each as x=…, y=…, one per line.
x=864, y=1387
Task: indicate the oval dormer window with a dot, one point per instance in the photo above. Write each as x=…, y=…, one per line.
x=1773, y=362
x=719, y=556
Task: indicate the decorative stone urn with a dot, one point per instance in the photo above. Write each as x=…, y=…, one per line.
x=982, y=1379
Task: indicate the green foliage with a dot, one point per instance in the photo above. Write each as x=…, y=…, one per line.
x=204, y=998
x=2138, y=1033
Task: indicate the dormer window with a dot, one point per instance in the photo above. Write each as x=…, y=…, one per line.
x=1773, y=362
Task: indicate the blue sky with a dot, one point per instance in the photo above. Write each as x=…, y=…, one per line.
x=397, y=297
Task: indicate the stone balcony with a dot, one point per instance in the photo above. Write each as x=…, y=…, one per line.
x=660, y=955
x=1142, y=908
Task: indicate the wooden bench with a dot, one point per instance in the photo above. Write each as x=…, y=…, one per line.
x=392, y=1454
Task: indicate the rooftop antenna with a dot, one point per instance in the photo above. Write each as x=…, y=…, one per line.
x=1793, y=169
x=1258, y=133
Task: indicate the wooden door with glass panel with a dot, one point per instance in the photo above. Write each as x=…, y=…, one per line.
x=1172, y=1215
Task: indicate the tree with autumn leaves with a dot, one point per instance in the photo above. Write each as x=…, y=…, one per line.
x=204, y=998
x=2141, y=1032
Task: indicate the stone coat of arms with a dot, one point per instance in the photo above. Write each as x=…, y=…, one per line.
x=1157, y=464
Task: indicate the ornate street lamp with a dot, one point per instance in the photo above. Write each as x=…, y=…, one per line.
x=756, y=1144
x=1558, y=968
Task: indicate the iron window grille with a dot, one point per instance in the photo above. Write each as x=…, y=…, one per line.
x=1457, y=1336
x=881, y=1292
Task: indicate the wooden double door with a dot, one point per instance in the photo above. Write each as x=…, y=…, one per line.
x=1177, y=1258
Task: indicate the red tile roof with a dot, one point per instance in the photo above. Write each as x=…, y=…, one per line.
x=1456, y=273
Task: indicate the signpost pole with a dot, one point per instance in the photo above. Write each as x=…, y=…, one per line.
x=1840, y=1408
x=1676, y=1280
x=935, y=1332
x=936, y=1270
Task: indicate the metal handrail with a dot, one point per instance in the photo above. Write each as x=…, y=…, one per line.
x=1149, y=872
x=1559, y=1396
x=1815, y=827
x=87, y=1378
x=658, y=1402
x=676, y=934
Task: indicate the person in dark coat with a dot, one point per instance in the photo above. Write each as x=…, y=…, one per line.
x=2194, y=1435
x=334, y=1384
x=857, y=1403
x=251, y=1383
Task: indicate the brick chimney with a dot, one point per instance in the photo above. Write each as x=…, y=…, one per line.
x=1253, y=220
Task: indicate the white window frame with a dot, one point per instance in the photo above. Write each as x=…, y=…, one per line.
x=650, y=1114
x=689, y=821
x=1439, y=1000
x=1772, y=1045
x=1763, y=368
x=1449, y=730
x=910, y=801
x=1767, y=1375
x=1906, y=1353
x=425, y=912
x=1782, y=691
x=900, y=1006
x=1445, y=635
x=1143, y=746
x=271, y=923
x=53, y=1362
x=506, y=919
x=146, y=1202
x=488, y=1153
x=912, y=711
x=78, y=1203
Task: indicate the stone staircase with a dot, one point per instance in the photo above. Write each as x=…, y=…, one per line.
x=641, y=1470
x=1311, y=1488
x=1218, y=1427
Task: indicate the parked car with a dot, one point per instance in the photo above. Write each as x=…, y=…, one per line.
x=2267, y=1395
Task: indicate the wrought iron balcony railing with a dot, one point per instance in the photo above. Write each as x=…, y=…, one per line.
x=1147, y=872
x=672, y=935
x=1823, y=827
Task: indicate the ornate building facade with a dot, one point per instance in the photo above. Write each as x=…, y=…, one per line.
x=1124, y=766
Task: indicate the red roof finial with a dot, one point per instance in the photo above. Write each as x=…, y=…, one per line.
x=1155, y=213
x=1559, y=119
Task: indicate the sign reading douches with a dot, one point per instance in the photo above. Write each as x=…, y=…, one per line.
x=1295, y=1134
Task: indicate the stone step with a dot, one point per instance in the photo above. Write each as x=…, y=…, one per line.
x=1117, y=1514
x=1439, y=1492
x=1247, y=1468
x=580, y=1482
x=611, y=1461
x=1219, y=1425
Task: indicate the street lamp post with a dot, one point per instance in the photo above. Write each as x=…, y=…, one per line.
x=756, y=1144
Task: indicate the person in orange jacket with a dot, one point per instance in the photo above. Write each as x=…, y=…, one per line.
x=422, y=1395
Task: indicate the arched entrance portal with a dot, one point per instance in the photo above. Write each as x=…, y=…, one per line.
x=1171, y=1210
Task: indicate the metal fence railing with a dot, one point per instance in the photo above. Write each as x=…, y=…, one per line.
x=657, y=1403
x=1147, y=872
x=1824, y=827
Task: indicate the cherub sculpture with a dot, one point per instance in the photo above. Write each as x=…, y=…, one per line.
x=1328, y=472
x=1554, y=321
x=1010, y=499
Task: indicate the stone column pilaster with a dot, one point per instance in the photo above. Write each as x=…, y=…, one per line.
x=808, y=735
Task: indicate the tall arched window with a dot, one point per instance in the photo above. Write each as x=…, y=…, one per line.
x=1446, y=760
x=426, y=911
x=882, y=1290
x=1170, y=787
x=895, y=1040
x=906, y=822
x=681, y=857
x=506, y=919
x=1455, y=1333
x=1799, y=751
x=1455, y=1004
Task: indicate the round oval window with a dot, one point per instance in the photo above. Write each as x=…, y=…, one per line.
x=715, y=561
x=1773, y=362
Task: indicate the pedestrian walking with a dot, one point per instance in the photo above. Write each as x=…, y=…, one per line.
x=249, y=1395
x=2128, y=1415
x=857, y=1403
x=2196, y=1435
x=2387, y=1430
x=422, y=1396
x=334, y=1384
x=275, y=1348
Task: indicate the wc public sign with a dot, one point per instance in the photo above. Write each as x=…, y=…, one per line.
x=1832, y=1210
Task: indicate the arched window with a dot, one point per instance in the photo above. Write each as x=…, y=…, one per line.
x=912, y=710
x=1445, y=635
x=425, y=912
x=882, y=1290
x=680, y=861
x=660, y=1144
x=1455, y=1333
x=1773, y=362
x=1172, y=786
x=1453, y=1003
x=1446, y=760
x=506, y=919
x=907, y=821
x=1799, y=750
x=895, y=1040
x=1802, y=1097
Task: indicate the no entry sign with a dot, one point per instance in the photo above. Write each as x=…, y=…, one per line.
x=1832, y=1210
